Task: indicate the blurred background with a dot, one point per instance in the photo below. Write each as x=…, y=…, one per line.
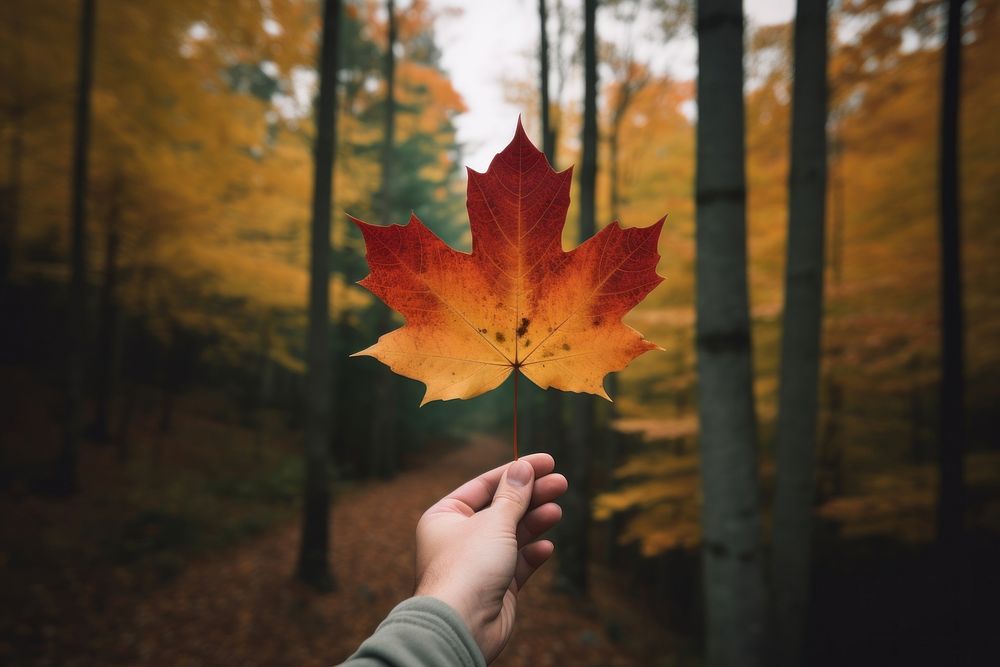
x=163, y=366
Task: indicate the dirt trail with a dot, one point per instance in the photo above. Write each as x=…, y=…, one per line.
x=241, y=608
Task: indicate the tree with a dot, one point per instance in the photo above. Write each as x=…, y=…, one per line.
x=313, y=566
x=548, y=135
x=731, y=548
x=798, y=401
x=562, y=58
x=950, y=511
x=951, y=491
x=576, y=521
x=16, y=111
x=66, y=480
x=630, y=78
x=381, y=452
x=550, y=422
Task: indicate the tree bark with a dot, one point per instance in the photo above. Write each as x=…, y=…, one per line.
x=951, y=489
x=731, y=550
x=66, y=473
x=551, y=424
x=576, y=505
x=11, y=204
x=951, y=497
x=313, y=563
x=800, y=343
x=548, y=136
x=381, y=454
x=627, y=89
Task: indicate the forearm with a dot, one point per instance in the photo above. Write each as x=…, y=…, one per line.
x=419, y=632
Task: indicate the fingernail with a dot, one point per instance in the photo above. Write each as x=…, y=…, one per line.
x=520, y=473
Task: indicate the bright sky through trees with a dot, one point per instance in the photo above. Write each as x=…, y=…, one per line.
x=480, y=46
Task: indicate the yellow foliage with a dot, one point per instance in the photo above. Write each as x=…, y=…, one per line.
x=207, y=184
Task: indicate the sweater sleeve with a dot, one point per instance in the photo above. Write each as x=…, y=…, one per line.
x=419, y=632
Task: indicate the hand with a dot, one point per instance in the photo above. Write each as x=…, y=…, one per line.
x=477, y=546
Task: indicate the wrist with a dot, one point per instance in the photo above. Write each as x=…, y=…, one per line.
x=460, y=604
x=449, y=598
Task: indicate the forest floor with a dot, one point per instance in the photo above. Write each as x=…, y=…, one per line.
x=233, y=600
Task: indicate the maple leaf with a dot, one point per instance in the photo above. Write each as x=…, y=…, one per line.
x=518, y=301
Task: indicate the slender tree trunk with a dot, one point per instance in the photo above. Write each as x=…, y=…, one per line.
x=560, y=68
x=627, y=89
x=588, y=161
x=12, y=201
x=108, y=329
x=951, y=489
x=576, y=505
x=66, y=476
x=614, y=198
x=951, y=499
x=548, y=136
x=313, y=565
x=731, y=551
x=384, y=432
x=12, y=212
x=800, y=344
x=552, y=425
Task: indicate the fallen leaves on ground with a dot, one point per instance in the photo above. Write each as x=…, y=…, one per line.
x=240, y=605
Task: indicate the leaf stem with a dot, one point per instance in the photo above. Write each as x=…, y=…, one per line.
x=517, y=372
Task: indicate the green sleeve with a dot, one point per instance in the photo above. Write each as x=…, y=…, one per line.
x=419, y=632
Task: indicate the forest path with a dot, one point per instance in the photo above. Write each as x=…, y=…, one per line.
x=241, y=606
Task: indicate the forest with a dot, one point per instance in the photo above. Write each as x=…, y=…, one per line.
x=194, y=469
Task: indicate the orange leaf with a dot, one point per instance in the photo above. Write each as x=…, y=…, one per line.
x=518, y=301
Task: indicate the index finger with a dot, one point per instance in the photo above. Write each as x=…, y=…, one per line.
x=477, y=493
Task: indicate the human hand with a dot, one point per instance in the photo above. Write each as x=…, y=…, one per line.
x=478, y=546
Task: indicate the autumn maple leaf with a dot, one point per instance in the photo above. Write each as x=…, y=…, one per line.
x=518, y=302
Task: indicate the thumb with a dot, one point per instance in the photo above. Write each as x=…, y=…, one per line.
x=514, y=493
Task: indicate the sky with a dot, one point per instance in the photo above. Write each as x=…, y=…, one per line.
x=490, y=36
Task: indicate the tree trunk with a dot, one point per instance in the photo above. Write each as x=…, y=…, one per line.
x=614, y=198
x=731, y=551
x=384, y=432
x=551, y=425
x=625, y=92
x=951, y=500
x=66, y=473
x=10, y=207
x=575, y=531
x=800, y=344
x=951, y=489
x=627, y=89
x=548, y=136
x=313, y=565
x=12, y=200
x=588, y=161
x=108, y=329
